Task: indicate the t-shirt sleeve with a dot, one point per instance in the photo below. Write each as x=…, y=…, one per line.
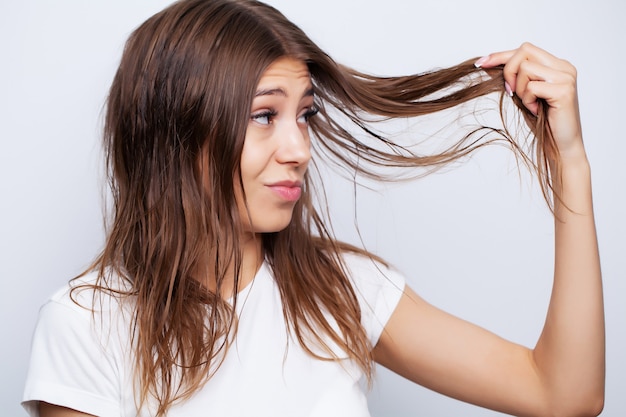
x=71, y=363
x=378, y=289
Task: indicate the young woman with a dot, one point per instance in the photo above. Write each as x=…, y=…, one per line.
x=221, y=291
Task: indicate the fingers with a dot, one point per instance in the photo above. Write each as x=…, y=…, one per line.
x=534, y=81
x=526, y=51
x=536, y=76
x=494, y=59
x=528, y=72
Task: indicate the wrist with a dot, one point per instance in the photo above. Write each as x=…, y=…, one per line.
x=572, y=157
x=572, y=184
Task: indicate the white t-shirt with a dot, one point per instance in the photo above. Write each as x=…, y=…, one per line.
x=83, y=362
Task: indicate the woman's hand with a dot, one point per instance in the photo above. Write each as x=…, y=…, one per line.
x=533, y=74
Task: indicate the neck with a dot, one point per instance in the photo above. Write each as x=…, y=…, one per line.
x=252, y=258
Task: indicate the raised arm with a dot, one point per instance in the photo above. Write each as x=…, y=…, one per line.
x=564, y=374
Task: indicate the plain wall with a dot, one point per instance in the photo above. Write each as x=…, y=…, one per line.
x=475, y=240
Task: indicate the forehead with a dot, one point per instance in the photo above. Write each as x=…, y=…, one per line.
x=285, y=70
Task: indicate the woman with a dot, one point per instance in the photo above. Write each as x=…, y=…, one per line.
x=220, y=289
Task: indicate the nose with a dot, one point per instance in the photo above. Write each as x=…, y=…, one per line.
x=294, y=144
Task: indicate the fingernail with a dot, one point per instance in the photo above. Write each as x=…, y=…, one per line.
x=481, y=61
x=508, y=90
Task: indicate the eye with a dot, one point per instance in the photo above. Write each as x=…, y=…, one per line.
x=308, y=113
x=264, y=117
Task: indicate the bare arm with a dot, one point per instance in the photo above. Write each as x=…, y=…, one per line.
x=564, y=374
x=51, y=410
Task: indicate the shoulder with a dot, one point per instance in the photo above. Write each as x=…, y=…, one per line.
x=378, y=287
x=366, y=271
x=80, y=349
x=91, y=294
x=87, y=307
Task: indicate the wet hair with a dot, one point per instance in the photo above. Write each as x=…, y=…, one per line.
x=175, y=125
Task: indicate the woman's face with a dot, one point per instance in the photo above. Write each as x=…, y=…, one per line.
x=276, y=151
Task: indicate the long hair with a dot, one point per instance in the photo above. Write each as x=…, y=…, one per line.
x=175, y=124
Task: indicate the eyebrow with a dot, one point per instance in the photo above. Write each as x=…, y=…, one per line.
x=281, y=92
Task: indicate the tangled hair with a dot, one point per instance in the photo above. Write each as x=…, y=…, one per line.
x=182, y=95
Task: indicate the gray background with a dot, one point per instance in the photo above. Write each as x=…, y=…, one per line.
x=476, y=240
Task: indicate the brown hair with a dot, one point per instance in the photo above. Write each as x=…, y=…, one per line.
x=183, y=93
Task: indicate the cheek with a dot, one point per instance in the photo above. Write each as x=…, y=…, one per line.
x=250, y=170
x=255, y=156
x=247, y=188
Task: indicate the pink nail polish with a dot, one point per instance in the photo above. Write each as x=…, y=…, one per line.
x=481, y=61
x=508, y=90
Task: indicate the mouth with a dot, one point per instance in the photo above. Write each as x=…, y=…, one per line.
x=287, y=190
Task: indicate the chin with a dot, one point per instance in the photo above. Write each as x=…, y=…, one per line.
x=271, y=226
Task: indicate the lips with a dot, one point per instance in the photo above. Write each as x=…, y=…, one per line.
x=287, y=190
